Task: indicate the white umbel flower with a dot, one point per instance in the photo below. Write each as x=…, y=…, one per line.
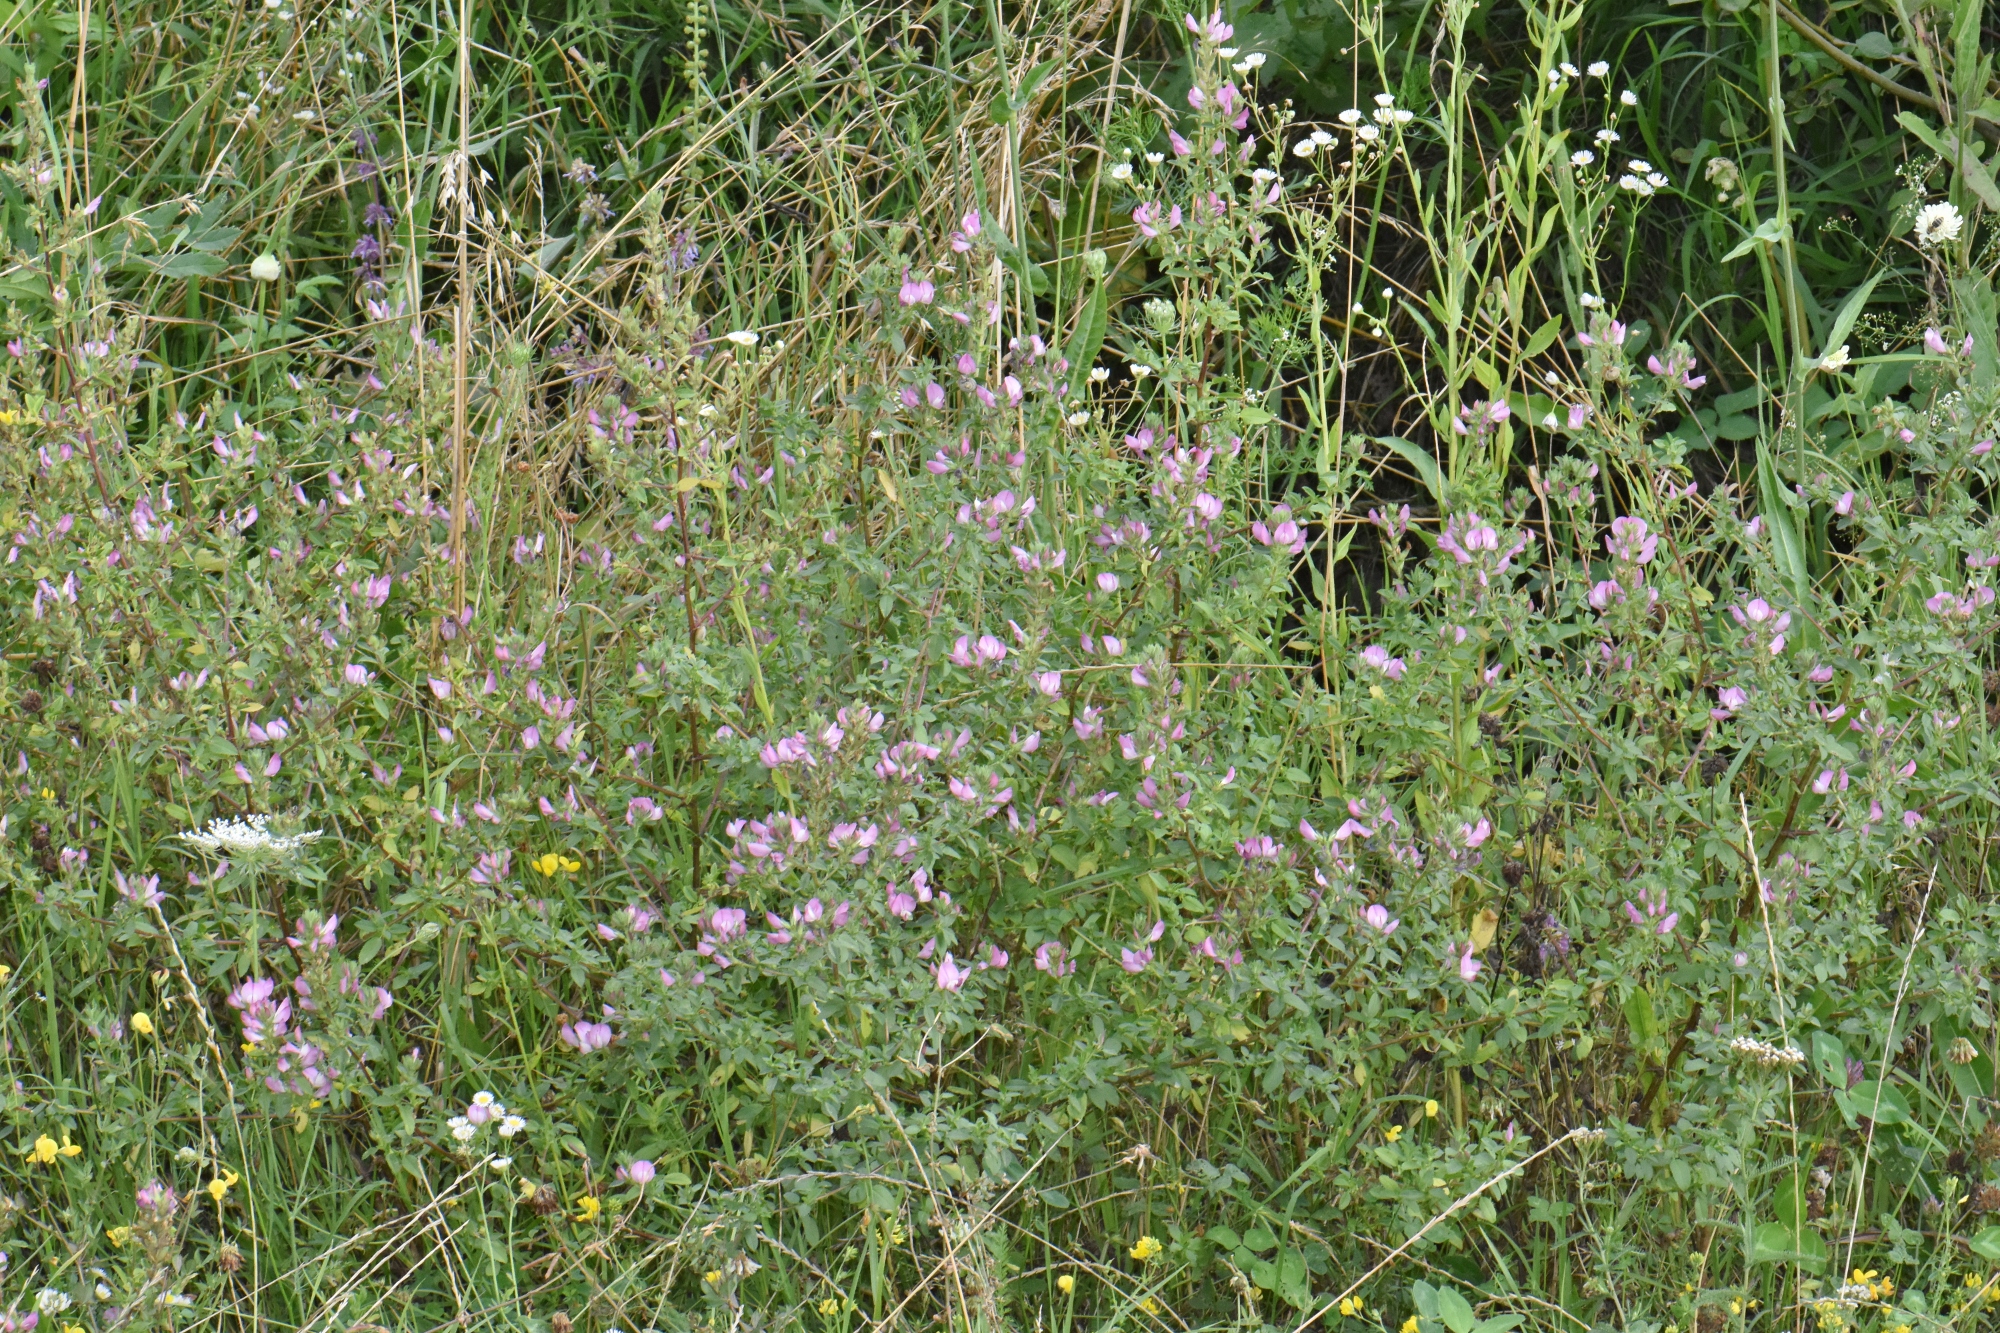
x=1937, y=224
x=248, y=836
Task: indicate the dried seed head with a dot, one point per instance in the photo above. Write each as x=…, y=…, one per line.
x=547, y=1201
x=229, y=1258
x=1962, y=1052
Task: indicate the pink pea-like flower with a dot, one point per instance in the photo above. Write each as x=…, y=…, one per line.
x=950, y=975
x=1376, y=917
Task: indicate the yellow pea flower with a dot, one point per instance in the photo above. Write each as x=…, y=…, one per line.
x=1409, y=1325
x=571, y=865
x=1393, y=1133
x=588, y=1208
x=118, y=1236
x=1145, y=1249
x=1349, y=1307
x=830, y=1306
x=1150, y=1306
x=1066, y=1284
x=218, y=1189
x=528, y=1190
x=712, y=1276
x=142, y=1024
x=1430, y=1110
x=46, y=1150
x=5, y=971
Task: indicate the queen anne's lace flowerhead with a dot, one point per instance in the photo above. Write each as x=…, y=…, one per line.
x=247, y=837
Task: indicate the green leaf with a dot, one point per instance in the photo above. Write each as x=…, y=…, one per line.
x=1881, y=1103
x=1777, y=515
x=1426, y=466
x=1543, y=338
x=1259, y=1238
x=1850, y=310
x=187, y=264
x=1455, y=1310
x=1773, y=1243
x=1769, y=232
x=1086, y=340
x=1830, y=1059
x=1987, y=1244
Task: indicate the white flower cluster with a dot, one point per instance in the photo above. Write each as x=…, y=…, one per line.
x=1791, y=1057
x=1641, y=179
x=1938, y=223
x=485, y=1109
x=243, y=837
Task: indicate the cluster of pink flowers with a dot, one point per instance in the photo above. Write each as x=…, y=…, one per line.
x=1766, y=624
x=1655, y=917
x=1477, y=545
x=775, y=843
x=1284, y=533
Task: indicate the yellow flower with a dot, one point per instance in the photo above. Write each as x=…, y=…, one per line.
x=554, y=862
x=830, y=1306
x=142, y=1024
x=1150, y=1306
x=1409, y=1325
x=118, y=1236
x=46, y=1149
x=1393, y=1133
x=1145, y=1249
x=1973, y=1279
x=1352, y=1306
x=218, y=1188
x=588, y=1207
x=72, y=1328
x=1736, y=1307
x=1066, y=1284
x=1430, y=1110
x=528, y=1189
x=48, y=794
x=712, y=1276
x=5, y=971
x=9, y=417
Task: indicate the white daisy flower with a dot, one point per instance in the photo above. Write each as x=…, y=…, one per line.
x=1582, y=157
x=1938, y=223
x=1628, y=98
x=1598, y=69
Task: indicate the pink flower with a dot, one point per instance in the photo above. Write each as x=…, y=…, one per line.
x=357, y=675
x=1377, y=658
x=1051, y=957
x=1376, y=917
x=586, y=1036
x=1480, y=418
x=1469, y=967
x=639, y=1172
x=1630, y=542
x=642, y=809
x=996, y=957
x=961, y=240
x=916, y=291
x=728, y=922
x=1049, y=683
x=1935, y=343
x=950, y=976
x=1284, y=534
x=1135, y=960
x=1182, y=147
